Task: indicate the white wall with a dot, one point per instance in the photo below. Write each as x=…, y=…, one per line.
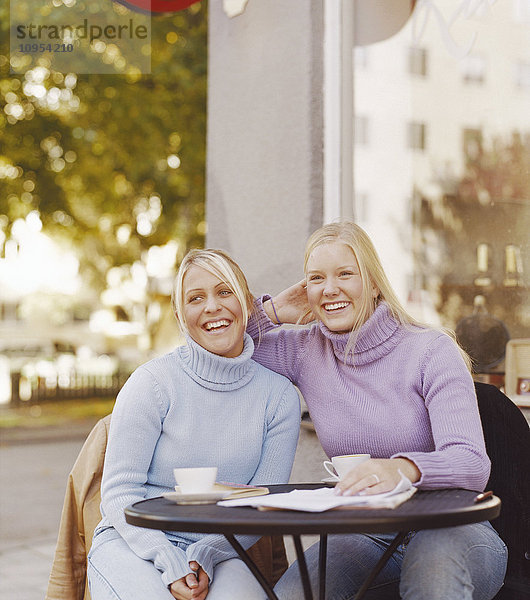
x=264, y=145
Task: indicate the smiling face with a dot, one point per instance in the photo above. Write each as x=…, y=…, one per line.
x=334, y=286
x=213, y=314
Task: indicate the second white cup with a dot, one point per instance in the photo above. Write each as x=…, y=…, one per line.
x=195, y=480
x=340, y=465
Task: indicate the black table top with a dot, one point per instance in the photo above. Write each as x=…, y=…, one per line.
x=425, y=510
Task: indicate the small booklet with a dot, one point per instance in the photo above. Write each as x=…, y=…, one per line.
x=323, y=499
x=240, y=490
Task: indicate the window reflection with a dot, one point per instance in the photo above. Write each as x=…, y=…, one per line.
x=443, y=187
x=522, y=75
x=417, y=61
x=473, y=69
x=417, y=135
x=361, y=132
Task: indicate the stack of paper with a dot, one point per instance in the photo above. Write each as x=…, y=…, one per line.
x=323, y=499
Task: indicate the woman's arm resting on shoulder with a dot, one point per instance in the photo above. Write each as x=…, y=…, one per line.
x=290, y=306
x=278, y=349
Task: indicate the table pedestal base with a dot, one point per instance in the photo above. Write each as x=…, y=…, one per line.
x=322, y=559
x=302, y=565
x=252, y=566
x=380, y=564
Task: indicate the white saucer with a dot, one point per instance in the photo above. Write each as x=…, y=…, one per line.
x=330, y=480
x=203, y=498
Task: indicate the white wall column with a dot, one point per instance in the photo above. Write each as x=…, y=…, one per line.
x=265, y=136
x=338, y=110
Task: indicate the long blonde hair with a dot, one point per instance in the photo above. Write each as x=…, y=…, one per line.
x=372, y=276
x=225, y=268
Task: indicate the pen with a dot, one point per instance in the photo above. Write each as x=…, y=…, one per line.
x=483, y=496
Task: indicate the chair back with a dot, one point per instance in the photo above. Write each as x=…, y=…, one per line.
x=507, y=437
x=81, y=514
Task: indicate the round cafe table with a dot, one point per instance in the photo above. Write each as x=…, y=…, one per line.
x=425, y=510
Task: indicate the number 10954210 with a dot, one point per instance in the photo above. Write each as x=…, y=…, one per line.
x=34, y=48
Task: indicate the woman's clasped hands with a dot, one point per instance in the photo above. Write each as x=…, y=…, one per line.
x=376, y=476
x=193, y=586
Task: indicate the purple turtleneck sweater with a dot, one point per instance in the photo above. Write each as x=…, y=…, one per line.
x=409, y=394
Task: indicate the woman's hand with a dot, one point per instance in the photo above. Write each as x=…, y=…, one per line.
x=290, y=305
x=194, y=586
x=377, y=475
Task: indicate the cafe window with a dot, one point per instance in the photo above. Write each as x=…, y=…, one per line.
x=473, y=69
x=361, y=206
x=417, y=59
x=360, y=57
x=9, y=311
x=361, y=130
x=416, y=136
x=521, y=11
x=522, y=75
x=451, y=218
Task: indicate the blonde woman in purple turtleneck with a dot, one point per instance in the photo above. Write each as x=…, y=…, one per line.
x=376, y=381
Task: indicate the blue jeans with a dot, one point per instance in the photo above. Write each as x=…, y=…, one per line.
x=115, y=572
x=456, y=563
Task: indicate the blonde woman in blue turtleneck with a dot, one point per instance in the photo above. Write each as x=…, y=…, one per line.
x=207, y=403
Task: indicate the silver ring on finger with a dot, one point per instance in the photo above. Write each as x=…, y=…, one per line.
x=377, y=480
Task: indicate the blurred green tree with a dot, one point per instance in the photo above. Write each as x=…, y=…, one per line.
x=112, y=164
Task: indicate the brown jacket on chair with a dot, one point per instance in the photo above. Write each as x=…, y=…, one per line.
x=79, y=518
x=81, y=514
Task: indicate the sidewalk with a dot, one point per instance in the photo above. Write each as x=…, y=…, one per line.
x=27, y=543
x=37, y=435
x=24, y=570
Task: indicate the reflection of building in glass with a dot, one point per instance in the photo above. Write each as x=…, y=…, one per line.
x=433, y=186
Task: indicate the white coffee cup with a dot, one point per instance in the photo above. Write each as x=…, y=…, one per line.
x=340, y=465
x=195, y=480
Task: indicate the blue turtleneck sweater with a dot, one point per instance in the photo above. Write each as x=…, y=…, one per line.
x=193, y=408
